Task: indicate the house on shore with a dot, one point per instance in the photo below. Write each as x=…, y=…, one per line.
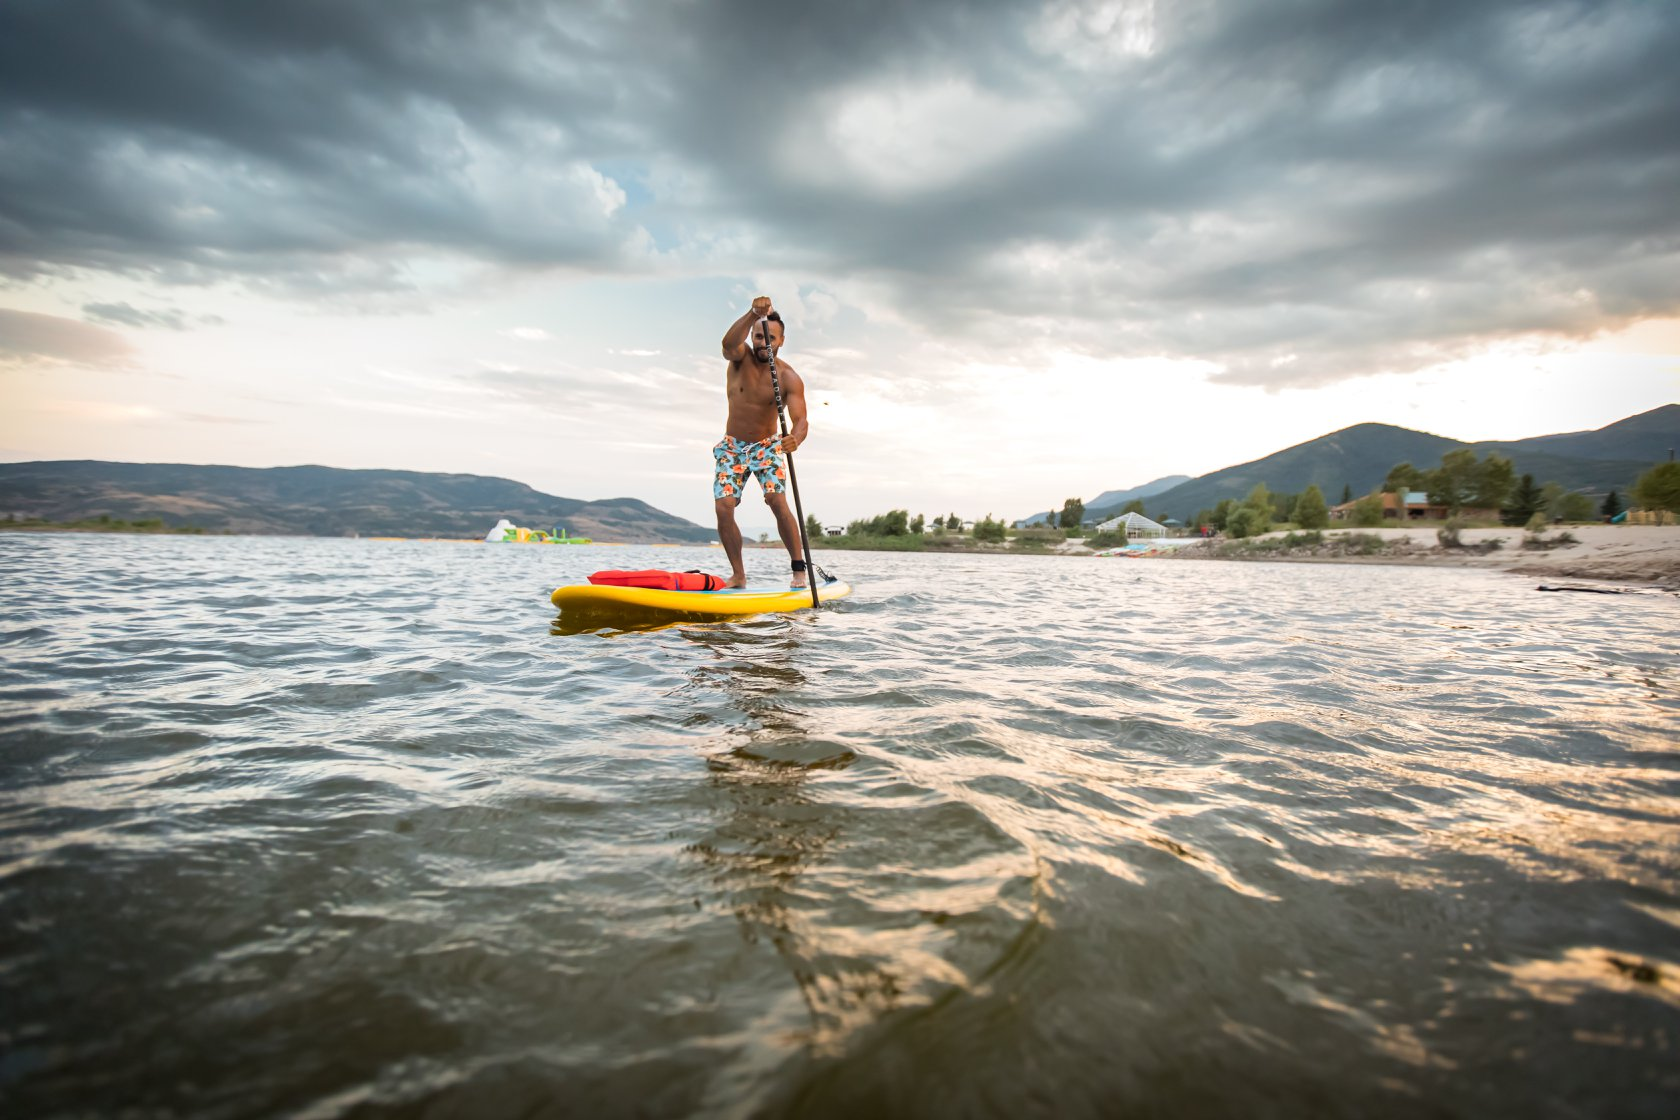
x=1413, y=505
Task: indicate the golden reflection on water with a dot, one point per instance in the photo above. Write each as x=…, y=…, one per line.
x=1586, y=970
x=771, y=833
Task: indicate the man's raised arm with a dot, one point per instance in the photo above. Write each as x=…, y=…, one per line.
x=735, y=338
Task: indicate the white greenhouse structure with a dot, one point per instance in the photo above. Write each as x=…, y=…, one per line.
x=1137, y=526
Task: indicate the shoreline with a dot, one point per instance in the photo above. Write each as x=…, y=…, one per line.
x=1640, y=554
x=1648, y=555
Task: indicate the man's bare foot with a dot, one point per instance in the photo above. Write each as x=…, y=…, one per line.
x=799, y=580
x=735, y=581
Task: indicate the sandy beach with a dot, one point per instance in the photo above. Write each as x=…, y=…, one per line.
x=1639, y=554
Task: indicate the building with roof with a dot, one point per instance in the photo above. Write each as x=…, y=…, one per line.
x=1413, y=505
x=1136, y=525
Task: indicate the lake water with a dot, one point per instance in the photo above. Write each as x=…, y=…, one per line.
x=325, y=828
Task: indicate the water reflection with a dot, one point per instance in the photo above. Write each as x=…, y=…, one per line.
x=616, y=620
x=768, y=852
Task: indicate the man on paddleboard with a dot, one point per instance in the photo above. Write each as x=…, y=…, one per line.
x=749, y=445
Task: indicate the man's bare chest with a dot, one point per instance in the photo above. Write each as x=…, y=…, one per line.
x=749, y=388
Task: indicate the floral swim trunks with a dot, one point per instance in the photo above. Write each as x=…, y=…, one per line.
x=735, y=458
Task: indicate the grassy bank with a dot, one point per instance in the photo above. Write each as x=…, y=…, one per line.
x=1029, y=541
x=101, y=525
x=1309, y=543
x=909, y=542
x=1313, y=544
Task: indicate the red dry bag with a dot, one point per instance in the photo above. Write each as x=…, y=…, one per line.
x=659, y=580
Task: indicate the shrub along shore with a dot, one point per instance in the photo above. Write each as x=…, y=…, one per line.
x=1026, y=540
x=101, y=524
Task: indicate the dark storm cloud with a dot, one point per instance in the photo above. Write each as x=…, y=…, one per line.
x=236, y=136
x=1296, y=191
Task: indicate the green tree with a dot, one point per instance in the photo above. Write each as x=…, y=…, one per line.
x=1133, y=506
x=1259, y=502
x=939, y=524
x=1347, y=493
x=1528, y=500
x=953, y=523
x=1403, y=477
x=916, y=524
x=813, y=527
x=1551, y=499
x=1575, y=507
x=1248, y=522
x=1462, y=481
x=989, y=530
x=1659, y=488
x=1310, y=512
x=1565, y=505
x=894, y=523
x=1452, y=483
x=1612, y=505
x=1494, y=478
x=1368, y=511
x=1073, y=514
x=1222, y=514
x=1050, y=520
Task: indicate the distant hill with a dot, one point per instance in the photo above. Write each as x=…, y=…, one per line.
x=1647, y=437
x=321, y=501
x=1118, y=498
x=1361, y=456
x=1114, y=499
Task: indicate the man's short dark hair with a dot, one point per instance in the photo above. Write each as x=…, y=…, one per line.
x=775, y=317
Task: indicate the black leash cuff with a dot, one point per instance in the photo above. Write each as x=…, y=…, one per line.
x=799, y=565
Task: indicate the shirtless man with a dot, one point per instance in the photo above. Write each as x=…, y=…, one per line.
x=749, y=444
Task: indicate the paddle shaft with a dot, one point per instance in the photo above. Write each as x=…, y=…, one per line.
x=793, y=476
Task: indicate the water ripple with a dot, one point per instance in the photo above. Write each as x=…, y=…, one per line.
x=342, y=827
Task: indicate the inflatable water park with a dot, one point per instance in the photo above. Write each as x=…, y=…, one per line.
x=506, y=532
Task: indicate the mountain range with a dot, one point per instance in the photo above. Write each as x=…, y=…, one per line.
x=1118, y=498
x=322, y=501
x=1360, y=457
x=329, y=501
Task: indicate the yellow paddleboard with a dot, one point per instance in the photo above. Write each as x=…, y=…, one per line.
x=646, y=604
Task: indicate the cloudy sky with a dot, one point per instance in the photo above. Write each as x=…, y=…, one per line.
x=1026, y=251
